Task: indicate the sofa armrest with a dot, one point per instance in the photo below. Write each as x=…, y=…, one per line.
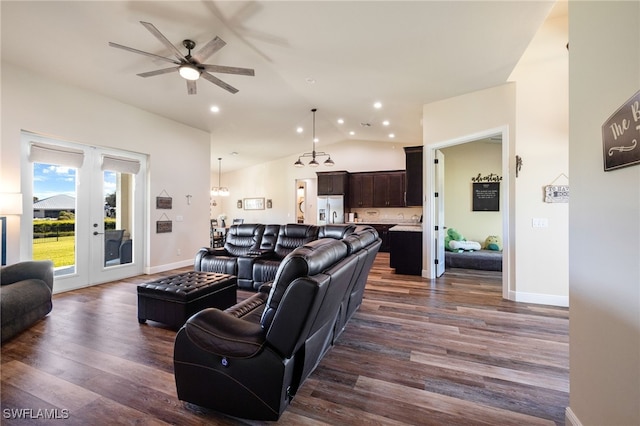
x=260, y=253
x=205, y=252
x=222, y=334
x=30, y=269
x=247, y=306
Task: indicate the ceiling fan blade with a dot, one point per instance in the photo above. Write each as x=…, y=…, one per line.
x=209, y=49
x=153, y=30
x=131, y=49
x=191, y=87
x=159, y=72
x=218, y=82
x=228, y=70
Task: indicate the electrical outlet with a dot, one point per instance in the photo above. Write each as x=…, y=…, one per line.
x=179, y=252
x=179, y=218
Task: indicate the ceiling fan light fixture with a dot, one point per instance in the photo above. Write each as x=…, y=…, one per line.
x=189, y=72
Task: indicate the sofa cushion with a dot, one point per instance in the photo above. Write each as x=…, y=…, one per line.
x=292, y=236
x=243, y=238
x=225, y=335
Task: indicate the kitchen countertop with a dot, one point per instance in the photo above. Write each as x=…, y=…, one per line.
x=413, y=227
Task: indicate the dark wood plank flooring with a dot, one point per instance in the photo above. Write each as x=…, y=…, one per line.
x=443, y=352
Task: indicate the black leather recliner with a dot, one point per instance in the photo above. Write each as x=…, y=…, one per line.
x=253, y=369
x=290, y=237
x=240, y=240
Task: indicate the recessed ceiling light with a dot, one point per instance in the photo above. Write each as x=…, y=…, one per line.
x=392, y=135
x=377, y=105
x=215, y=108
x=316, y=140
x=299, y=130
x=352, y=133
x=340, y=121
x=385, y=123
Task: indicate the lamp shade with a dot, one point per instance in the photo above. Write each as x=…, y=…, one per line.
x=10, y=203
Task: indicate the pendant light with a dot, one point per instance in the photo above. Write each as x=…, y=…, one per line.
x=219, y=190
x=313, y=154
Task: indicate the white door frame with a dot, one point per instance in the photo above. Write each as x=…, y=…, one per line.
x=430, y=254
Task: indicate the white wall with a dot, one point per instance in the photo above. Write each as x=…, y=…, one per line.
x=604, y=232
x=276, y=180
x=542, y=123
x=463, y=162
x=35, y=104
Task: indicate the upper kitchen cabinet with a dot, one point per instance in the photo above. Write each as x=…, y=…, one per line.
x=361, y=189
x=388, y=189
x=414, y=175
x=333, y=183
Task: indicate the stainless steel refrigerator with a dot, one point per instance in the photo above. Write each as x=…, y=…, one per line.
x=330, y=209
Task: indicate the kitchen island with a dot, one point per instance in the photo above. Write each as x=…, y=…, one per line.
x=405, y=251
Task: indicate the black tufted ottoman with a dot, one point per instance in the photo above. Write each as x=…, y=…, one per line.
x=174, y=299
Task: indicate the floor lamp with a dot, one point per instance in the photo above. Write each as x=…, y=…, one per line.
x=10, y=204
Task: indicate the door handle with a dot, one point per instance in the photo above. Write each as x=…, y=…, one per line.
x=97, y=233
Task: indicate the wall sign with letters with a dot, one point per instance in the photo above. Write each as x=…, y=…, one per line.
x=621, y=134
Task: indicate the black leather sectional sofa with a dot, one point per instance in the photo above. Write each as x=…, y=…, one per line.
x=249, y=360
x=253, y=252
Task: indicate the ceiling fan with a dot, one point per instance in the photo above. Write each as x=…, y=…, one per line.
x=189, y=67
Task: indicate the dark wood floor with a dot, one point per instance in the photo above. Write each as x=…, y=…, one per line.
x=447, y=352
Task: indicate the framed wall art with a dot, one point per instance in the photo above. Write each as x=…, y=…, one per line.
x=254, y=203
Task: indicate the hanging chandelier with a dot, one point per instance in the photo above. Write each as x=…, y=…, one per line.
x=222, y=191
x=314, y=154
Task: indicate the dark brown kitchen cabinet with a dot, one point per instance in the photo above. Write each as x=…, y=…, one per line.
x=361, y=190
x=405, y=252
x=384, y=233
x=388, y=189
x=333, y=183
x=414, y=175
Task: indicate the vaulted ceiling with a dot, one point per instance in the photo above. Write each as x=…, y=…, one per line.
x=337, y=56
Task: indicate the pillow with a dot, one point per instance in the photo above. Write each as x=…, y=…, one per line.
x=493, y=242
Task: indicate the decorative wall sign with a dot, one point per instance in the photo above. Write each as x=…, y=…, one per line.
x=164, y=202
x=164, y=226
x=486, y=197
x=254, y=203
x=620, y=136
x=556, y=194
x=486, y=178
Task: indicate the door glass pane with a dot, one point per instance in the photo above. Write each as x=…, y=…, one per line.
x=54, y=209
x=118, y=191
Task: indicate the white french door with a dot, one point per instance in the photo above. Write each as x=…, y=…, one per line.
x=108, y=210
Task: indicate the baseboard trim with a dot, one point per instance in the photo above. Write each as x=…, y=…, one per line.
x=167, y=267
x=570, y=418
x=541, y=299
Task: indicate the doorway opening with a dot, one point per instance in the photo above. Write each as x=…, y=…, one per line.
x=493, y=145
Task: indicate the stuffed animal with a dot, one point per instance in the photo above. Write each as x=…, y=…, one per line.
x=493, y=242
x=452, y=235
